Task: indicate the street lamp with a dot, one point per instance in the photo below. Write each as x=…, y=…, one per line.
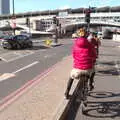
x=13, y=17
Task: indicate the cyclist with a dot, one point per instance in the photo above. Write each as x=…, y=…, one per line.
x=95, y=41
x=84, y=57
x=98, y=43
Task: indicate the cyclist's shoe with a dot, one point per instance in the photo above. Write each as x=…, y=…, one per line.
x=91, y=87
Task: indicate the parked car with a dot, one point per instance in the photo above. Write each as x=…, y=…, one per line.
x=16, y=42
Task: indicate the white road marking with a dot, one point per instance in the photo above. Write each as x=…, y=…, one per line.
x=30, y=65
x=3, y=59
x=47, y=56
x=6, y=76
x=117, y=67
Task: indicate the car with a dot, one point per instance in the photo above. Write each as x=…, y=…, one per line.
x=16, y=42
x=107, y=34
x=25, y=33
x=99, y=35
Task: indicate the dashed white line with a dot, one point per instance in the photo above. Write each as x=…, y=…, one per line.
x=47, y=56
x=25, y=67
x=6, y=76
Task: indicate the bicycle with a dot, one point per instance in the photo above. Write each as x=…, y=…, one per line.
x=83, y=88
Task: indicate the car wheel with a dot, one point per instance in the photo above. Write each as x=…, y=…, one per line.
x=30, y=44
x=9, y=46
x=18, y=46
x=4, y=47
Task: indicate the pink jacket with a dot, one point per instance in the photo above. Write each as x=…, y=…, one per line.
x=84, y=54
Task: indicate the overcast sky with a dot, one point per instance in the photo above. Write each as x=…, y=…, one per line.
x=40, y=5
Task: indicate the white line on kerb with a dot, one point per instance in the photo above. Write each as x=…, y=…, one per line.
x=30, y=65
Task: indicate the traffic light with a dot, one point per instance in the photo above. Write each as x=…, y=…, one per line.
x=27, y=21
x=87, y=16
x=55, y=21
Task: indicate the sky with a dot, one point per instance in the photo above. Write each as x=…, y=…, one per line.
x=22, y=6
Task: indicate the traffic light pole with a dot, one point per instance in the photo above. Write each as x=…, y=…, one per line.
x=55, y=34
x=13, y=15
x=87, y=19
x=88, y=27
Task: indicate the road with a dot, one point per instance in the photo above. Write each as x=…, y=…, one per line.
x=18, y=67
x=104, y=100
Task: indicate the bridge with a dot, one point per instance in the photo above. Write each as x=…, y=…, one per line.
x=69, y=21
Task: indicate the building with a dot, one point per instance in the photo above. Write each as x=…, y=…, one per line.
x=4, y=7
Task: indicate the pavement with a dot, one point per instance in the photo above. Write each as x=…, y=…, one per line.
x=43, y=99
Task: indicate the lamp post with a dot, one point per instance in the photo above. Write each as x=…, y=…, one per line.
x=13, y=17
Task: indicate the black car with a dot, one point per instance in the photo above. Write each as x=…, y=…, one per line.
x=16, y=42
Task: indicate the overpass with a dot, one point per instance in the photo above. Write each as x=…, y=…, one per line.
x=68, y=20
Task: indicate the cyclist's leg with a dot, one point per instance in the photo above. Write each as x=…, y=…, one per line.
x=84, y=84
x=73, y=75
x=92, y=80
x=69, y=84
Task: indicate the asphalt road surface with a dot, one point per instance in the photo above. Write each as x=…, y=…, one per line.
x=17, y=67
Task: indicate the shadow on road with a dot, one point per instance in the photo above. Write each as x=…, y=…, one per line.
x=103, y=108
x=99, y=107
x=108, y=67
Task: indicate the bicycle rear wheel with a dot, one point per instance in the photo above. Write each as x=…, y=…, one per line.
x=84, y=92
